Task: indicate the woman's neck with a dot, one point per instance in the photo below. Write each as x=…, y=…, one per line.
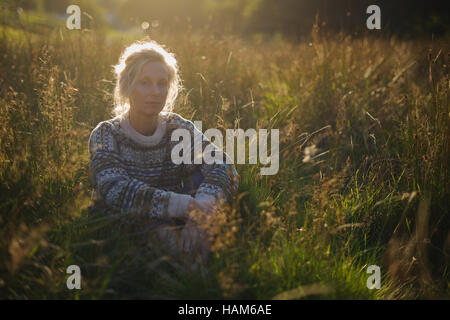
x=145, y=125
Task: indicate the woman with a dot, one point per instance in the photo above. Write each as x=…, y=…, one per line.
x=130, y=155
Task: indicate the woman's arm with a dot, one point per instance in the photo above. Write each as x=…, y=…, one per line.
x=220, y=180
x=121, y=192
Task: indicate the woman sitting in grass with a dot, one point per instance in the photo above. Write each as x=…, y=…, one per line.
x=130, y=155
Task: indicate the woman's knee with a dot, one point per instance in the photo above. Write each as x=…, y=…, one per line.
x=169, y=236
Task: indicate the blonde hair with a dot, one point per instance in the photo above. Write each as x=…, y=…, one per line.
x=129, y=68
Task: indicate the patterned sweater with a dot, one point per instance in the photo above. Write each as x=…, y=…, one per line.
x=134, y=173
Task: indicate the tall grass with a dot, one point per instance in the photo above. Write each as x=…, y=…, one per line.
x=363, y=179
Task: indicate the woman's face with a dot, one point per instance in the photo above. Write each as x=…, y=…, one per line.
x=149, y=94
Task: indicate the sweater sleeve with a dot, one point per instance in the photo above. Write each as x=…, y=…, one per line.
x=221, y=180
x=121, y=192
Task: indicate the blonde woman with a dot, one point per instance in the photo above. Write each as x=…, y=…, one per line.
x=130, y=154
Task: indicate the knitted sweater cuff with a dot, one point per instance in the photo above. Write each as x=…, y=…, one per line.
x=178, y=205
x=216, y=198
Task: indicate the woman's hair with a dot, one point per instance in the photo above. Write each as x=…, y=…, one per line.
x=129, y=68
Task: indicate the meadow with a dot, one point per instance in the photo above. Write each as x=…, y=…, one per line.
x=363, y=177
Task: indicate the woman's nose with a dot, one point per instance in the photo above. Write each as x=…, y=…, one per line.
x=153, y=90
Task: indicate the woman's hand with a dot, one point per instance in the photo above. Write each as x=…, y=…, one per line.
x=194, y=237
x=194, y=241
x=190, y=240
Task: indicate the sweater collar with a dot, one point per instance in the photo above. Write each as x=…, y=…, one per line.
x=147, y=141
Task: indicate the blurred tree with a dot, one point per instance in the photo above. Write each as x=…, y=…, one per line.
x=57, y=6
x=168, y=12
x=229, y=15
x=411, y=18
x=24, y=4
x=290, y=17
x=93, y=12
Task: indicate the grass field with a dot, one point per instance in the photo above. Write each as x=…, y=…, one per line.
x=363, y=178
